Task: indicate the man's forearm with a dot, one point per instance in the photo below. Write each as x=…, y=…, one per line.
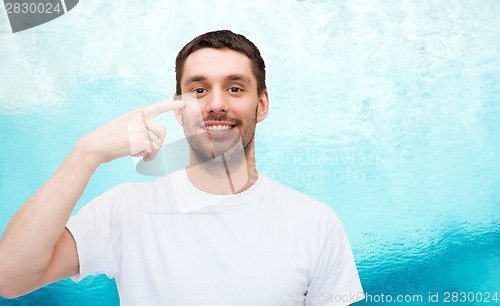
x=29, y=239
x=27, y=245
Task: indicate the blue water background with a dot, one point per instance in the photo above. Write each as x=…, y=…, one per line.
x=387, y=111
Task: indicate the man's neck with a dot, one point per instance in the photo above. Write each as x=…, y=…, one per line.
x=225, y=179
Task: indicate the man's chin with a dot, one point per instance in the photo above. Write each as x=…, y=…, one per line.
x=229, y=150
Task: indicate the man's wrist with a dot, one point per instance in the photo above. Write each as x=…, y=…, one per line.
x=83, y=150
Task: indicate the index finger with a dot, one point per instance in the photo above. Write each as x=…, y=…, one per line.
x=154, y=110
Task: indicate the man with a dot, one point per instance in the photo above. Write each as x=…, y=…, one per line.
x=215, y=233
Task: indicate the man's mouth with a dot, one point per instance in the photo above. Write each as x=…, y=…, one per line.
x=218, y=128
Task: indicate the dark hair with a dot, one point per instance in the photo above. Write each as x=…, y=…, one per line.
x=220, y=40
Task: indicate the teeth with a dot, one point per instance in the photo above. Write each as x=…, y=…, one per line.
x=217, y=128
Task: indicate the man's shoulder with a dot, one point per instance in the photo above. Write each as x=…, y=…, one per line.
x=133, y=191
x=291, y=193
x=293, y=200
x=134, y=187
x=158, y=183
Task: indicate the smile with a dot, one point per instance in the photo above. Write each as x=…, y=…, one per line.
x=218, y=127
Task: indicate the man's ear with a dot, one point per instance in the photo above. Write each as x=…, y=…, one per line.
x=178, y=111
x=263, y=106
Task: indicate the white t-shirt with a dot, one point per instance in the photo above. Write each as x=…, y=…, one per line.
x=269, y=245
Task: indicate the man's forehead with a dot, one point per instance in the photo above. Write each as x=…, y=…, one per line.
x=211, y=63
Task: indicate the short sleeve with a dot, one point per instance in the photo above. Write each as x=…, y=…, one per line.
x=336, y=280
x=97, y=233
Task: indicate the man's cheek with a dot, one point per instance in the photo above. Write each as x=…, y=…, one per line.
x=192, y=117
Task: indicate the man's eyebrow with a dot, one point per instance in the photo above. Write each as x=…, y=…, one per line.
x=231, y=77
x=195, y=78
x=238, y=77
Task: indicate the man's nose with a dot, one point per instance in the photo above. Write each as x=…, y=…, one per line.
x=217, y=102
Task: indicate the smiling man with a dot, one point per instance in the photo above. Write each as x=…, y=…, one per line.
x=215, y=233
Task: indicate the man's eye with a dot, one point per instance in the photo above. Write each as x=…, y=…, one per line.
x=235, y=89
x=199, y=90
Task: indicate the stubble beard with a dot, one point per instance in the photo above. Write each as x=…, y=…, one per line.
x=221, y=157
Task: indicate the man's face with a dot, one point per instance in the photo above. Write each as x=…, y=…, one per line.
x=222, y=103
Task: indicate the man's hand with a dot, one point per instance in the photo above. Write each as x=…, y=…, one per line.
x=27, y=263
x=133, y=133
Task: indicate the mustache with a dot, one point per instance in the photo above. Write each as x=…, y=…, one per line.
x=226, y=118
